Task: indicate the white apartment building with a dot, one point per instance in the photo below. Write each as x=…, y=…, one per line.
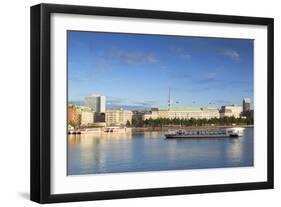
x=87, y=117
x=118, y=117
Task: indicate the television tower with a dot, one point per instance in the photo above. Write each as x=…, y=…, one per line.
x=169, y=100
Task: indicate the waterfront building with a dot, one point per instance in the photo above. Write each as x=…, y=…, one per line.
x=118, y=117
x=87, y=117
x=182, y=113
x=95, y=102
x=138, y=114
x=99, y=124
x=153, y=114
x=72, y=115
x=209, y=113
x=231, y=110
x=99, y=117
x=249, y=113
x=252, y=113
x=246, y=105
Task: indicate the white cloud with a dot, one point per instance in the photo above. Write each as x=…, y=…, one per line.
x=131, y=57
x=182, y=52
x=234, y=55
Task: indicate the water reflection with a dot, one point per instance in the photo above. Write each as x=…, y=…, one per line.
x=147, y=151
x=154, y=134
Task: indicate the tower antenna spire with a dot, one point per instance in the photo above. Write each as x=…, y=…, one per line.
x=169, y=99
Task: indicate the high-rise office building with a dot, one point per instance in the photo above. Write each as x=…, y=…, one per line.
x=102, y=104
x=246, y=104
x=95, y=102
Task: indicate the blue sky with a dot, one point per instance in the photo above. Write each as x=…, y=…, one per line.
x=138, y=70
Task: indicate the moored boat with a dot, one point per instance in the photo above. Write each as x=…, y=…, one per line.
x=74, y=132
x=117, y=129
x=91, y=130
x=206, y=133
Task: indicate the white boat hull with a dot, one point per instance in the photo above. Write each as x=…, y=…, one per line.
x=209, y=133
x=198, y=136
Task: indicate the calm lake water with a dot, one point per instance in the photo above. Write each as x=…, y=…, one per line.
x=150, y=151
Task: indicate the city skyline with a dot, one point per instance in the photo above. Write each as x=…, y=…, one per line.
x=83, y=103
x=138, y=70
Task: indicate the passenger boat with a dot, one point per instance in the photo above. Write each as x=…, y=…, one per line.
x=91, y=130
x=207, y=133
x=117, y=129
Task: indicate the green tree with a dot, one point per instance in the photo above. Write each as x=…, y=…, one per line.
x=73, y=123
x=128, y=124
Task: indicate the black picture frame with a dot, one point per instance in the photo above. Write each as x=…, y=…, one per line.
x=40, y=184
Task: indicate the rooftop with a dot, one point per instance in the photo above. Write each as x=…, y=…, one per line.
x=181, y=109
x=208, y=109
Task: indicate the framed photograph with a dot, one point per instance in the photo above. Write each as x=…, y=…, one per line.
x=133, y=103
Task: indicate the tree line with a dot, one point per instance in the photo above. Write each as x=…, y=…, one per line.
x=160, y=122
